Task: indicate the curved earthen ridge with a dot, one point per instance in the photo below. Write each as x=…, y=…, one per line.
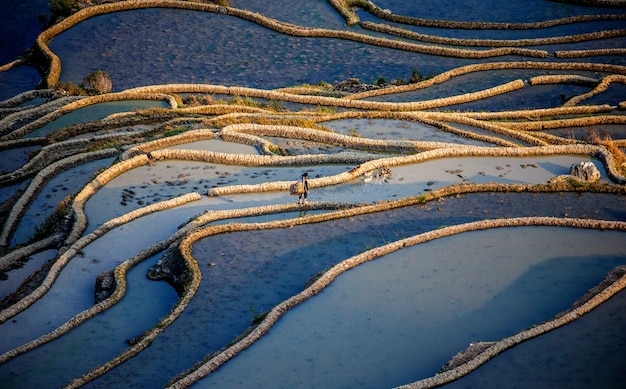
x=480, y=67
x=27, y=114
x=24, y=97
x=430, y=119
x=252, y=133
x=290, y=29
x=403, y=33
x=73, y=247
x=331, y=101
x=589, y=53
x=43, y=158
x=195, y=230
x=16, y=256
x=326, y=279
x=37, y=183
x=344, y=7
x=601, y=87
x=514, y=131
x=78, y=103
x=504, y=344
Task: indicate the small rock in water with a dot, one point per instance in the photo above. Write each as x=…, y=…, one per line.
x=586, y=171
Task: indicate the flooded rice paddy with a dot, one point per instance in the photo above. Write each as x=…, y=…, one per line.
x=421, y=151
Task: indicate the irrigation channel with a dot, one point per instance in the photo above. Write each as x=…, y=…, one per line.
x=465, y=224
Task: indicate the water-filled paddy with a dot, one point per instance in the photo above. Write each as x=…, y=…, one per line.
x=256, y=270
x=94, y=113
x=13, y=159
x=16, y=276
x=397, y=129
x=588, y=352
x=100, y=339
x=247, y=273
x=73, y=290
x=400, y=317
x=272, y=61
x=59, y=187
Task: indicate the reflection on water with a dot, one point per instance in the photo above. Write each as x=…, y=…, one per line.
x=58, y=188
x=399, y=318
x=254, y=272
x=94, y=113
x=192, y=47
x=584, y=354
x=96, y=341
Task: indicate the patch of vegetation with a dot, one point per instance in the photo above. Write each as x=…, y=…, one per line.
x=381, y=81
x=71, y=89
x=272, y=105
x=354, y=132
x=105, y=144
x=247, y=101
x=416, y=76
x=276, y=105
x=175, y=131
x=63, y=8
x=197, y=100
x=259, y=318
x=326, y=110
x=316, y=277
x=97, y=83
x=276, y=150
x=55, y=222
x=612, y=147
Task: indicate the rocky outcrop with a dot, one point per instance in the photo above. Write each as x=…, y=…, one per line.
x=585, y=171
x=105, y=286
x=172, y=269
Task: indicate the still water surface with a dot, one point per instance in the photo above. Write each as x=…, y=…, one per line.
x=399, y=318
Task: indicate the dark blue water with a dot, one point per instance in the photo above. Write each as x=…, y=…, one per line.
x=177, y=46
x=484, y=11
x=18, y=31
x=245, y=283
x=162, y=46
x=20, y=26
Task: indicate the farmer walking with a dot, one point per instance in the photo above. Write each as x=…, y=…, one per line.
x=304, y=192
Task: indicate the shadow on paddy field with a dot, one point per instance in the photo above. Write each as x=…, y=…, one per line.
x=444, y=157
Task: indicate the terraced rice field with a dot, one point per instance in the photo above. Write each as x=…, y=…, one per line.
x=149, y=238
